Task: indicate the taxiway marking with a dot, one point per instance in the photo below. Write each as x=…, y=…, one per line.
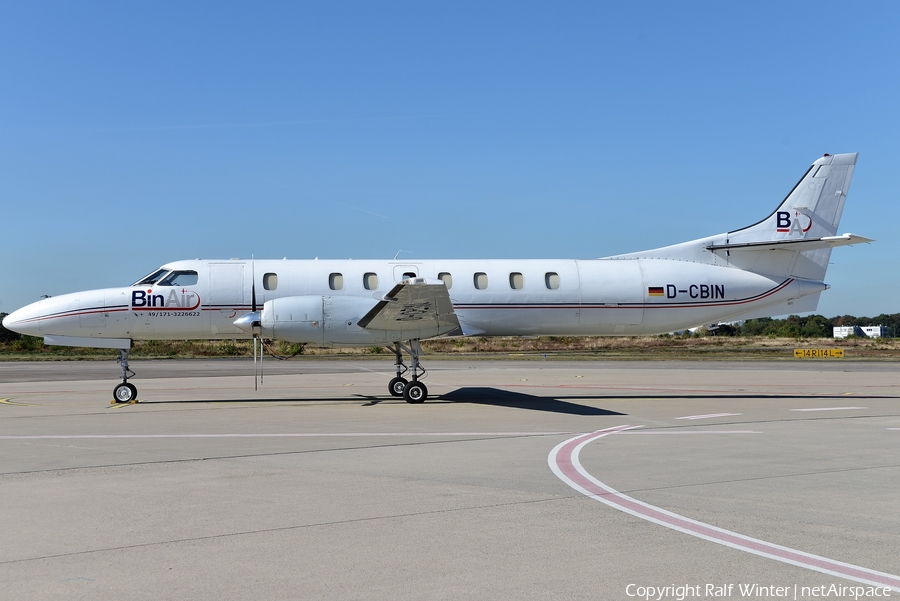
x=564, y=462
x=12, y=402
x=655, y=432
x=829, y=409
x=708, y=416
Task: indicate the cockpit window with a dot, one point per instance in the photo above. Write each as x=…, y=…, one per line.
x=152, y=278
x=179, y=278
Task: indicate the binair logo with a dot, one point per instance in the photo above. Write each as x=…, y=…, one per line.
x=789, y=224
x=185, y=300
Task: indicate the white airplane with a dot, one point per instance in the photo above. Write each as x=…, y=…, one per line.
x=773, y=267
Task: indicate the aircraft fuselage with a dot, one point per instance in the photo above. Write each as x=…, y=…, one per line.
x=499, y=297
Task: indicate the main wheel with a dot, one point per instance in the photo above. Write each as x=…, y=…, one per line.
x=396, y=386
x=415, y=392
x=124, y=393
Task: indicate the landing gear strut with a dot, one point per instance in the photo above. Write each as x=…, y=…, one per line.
x=124, y=392
x=414, y=391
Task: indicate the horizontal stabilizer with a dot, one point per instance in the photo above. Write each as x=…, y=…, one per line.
x=419, y=305
x=794, y=245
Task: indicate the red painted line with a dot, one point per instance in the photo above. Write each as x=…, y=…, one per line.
x=564, y=462
x=72, y=314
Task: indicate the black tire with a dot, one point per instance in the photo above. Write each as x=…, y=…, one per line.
x=124, y=393
x=415, y=392
x=396, y=386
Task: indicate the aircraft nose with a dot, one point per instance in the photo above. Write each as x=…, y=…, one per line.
x=23, y=321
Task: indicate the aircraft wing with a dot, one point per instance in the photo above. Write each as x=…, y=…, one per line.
x=417, y=308
x=794, y=245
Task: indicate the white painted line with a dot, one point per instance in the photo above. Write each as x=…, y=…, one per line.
x=829, y=409
x=708, y=415
x=286, y=435
x=652, y=432
x=564, y=462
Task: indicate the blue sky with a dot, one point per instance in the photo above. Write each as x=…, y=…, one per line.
x=133, y=134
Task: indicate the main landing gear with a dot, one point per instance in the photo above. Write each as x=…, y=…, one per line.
x=124, y=392
x=414, y=391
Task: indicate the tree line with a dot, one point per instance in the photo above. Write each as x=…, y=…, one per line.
x=809, y=326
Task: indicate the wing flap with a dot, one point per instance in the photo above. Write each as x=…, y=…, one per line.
x=418, y=308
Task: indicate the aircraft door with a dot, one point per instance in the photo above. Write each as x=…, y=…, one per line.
x=226, y=297
x=611, y=296
x=226, y=285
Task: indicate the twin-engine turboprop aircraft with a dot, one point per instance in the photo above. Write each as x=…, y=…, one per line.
x=774, y=267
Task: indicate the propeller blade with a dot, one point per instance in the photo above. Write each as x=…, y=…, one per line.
x=252, y=284
x=255, y=372
x=251, y=323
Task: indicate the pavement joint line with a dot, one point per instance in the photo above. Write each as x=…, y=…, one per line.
x=287, y=528
x=255, y=455
x=274, y=435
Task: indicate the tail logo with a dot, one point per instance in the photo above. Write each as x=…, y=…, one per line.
x=787, y=224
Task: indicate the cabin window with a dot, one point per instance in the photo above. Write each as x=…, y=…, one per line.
x=270, y=281
x=551, y=279
x=516, y=281
x=336, y=281
x=481, y=281
x=447, y=279
x=179, y=278
x=370, y=281
x=409, y=275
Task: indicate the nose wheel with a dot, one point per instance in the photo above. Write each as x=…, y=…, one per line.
x=124, y=393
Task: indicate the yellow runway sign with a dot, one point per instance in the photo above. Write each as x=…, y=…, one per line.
x=818, y=353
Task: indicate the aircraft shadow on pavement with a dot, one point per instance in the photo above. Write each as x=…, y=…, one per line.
x=518, y=400
x=480, y=396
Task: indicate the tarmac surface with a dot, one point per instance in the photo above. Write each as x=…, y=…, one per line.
x=709, y=478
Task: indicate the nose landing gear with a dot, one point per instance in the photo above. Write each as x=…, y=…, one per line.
x=124, y=392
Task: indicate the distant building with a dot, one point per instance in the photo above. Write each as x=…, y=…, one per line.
x=861, y=331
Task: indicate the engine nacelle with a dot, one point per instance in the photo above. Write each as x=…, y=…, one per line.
x=319, y=320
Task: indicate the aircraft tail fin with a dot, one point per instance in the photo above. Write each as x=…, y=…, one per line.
x=794, y=241
x=797, y=238
x=812, y=209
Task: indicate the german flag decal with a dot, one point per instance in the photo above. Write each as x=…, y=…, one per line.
x=655, y=291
